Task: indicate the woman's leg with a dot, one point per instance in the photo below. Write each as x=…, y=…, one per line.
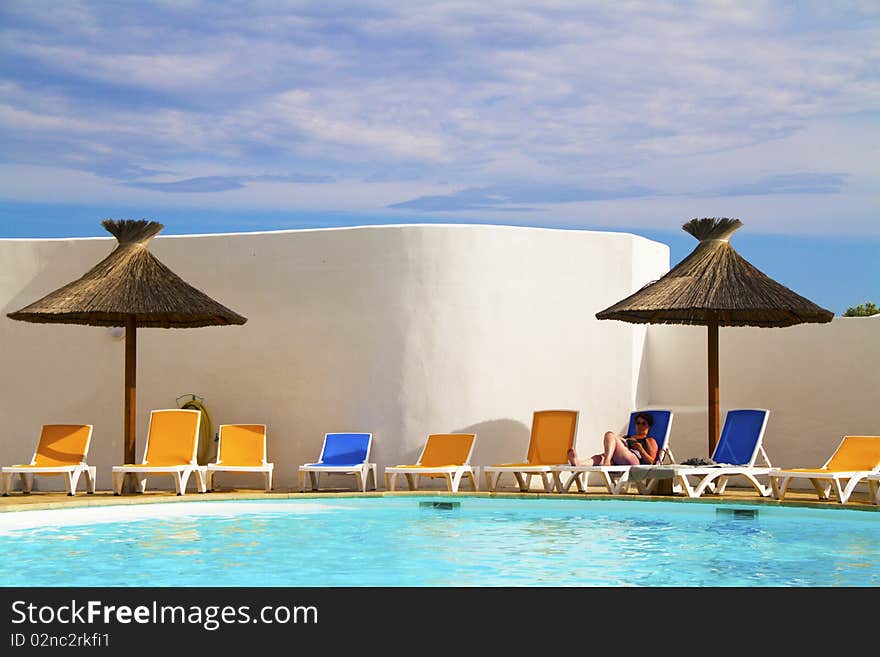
x=616, y=452
x=574, y=460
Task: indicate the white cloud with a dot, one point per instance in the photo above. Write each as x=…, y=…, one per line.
x=682, y=98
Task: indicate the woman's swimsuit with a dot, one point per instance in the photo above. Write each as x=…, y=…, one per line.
x=637, y=453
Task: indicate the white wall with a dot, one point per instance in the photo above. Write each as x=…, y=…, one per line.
x=820, y=382
x=398, y=330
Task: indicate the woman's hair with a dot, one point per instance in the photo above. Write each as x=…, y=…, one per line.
x=647, y=417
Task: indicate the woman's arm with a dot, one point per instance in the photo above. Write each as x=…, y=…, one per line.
x=649, y=454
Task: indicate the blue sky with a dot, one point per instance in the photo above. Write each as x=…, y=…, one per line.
x=636, y=116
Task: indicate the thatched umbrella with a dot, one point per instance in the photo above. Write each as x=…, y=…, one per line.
x=129, y=288
x=715, y=286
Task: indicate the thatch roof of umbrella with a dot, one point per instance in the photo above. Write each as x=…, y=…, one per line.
x=129, y=283
x=716, y=283
x=715, y=286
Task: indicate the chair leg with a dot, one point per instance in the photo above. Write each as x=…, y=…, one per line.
x=823, y=490
x=581, y=479
x=686, y=485
x=268, y=478
x=774, y=487
x=180, y=482
x=373, y=468
x=200, y=480
x=782, y=488
x=390, y=480
x=763, y=491
x=7, y=483
x=118, y=478
x=849, y=489
x=492, y=480
x=72, y=481
x=473, y=479
x=91, y=479
x=27, y=482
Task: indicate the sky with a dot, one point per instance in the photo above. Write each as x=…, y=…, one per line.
x=624, y=116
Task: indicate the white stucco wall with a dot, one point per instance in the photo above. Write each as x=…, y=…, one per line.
x=398, y=330
x=819, y=381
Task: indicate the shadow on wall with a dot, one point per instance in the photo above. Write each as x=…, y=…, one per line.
x=498, y=441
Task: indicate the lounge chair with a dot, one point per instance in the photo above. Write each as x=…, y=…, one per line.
x=552, y=436
x=62, y=450
x=735, y=454
x=446, y=455
x=172, y=443
x=241, y=448
x=342, y=453
x=855, y=460
x=614, y=477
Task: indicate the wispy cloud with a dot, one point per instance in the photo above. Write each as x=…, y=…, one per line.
x=516, y=197
x=793, y=183
x=208, y=184
x=677, y=99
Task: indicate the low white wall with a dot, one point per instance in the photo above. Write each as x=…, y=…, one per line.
x=819, y=381
x=398, y=330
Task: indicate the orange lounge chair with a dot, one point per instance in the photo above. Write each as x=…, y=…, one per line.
x=62, y=450
x=445, y=455
x=552, y=436
x=172, y=443
x=241, y=448
x=855, y=460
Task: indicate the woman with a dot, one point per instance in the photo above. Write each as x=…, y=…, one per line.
x=638, y=449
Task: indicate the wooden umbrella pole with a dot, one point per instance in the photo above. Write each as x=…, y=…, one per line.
x=130, y=413
x=713, y=384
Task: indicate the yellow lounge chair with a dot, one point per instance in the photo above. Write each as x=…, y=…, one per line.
x=62, y=450
x=241, y=448
x=553, y=434
x=855, y=460
x=172, y=443
x=446, y=455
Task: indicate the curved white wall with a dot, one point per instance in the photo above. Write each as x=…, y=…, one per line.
x=398, y=330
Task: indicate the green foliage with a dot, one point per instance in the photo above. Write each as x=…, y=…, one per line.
x=862, y=310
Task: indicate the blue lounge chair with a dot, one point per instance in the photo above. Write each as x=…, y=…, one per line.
x=736, y=454
x=342, y=453
x=614, y=477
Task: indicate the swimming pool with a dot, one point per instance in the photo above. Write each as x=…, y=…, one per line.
x=440, y=541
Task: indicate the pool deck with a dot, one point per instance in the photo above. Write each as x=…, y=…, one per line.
x=41, y=500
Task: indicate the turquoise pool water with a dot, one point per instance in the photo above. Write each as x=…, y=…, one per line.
x=440, y=541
